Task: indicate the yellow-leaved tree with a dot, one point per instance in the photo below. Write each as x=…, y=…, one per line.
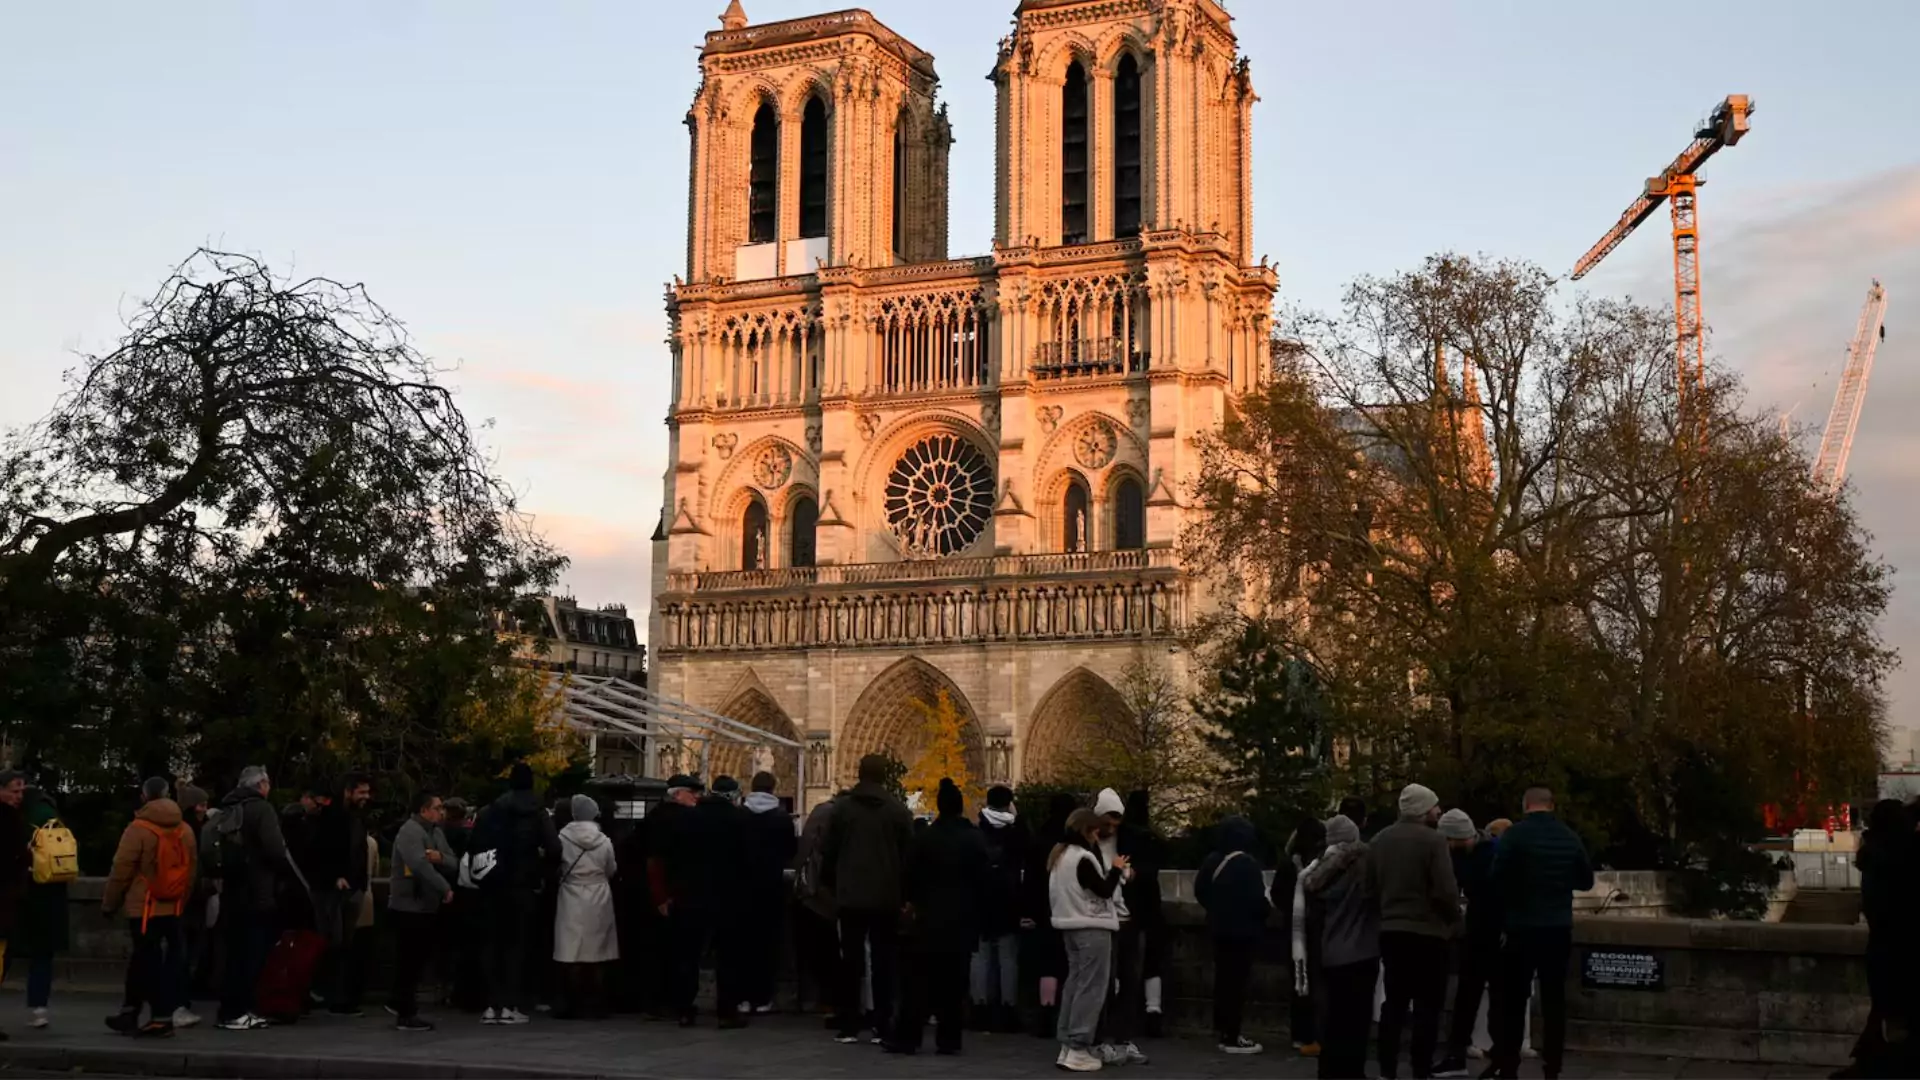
x=523, y=719
x=945, y=755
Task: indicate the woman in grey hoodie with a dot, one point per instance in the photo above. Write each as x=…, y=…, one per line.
x=1342, y=909
x=585, y=935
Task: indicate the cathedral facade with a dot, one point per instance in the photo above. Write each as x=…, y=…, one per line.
x=893, y=473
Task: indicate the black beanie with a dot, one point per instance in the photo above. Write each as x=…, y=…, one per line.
x=520, y=777
x=948, y=800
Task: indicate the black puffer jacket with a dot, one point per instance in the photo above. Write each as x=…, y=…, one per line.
x=866, y=851
x=517, y=826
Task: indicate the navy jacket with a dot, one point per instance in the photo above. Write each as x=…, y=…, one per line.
x=1537, y=867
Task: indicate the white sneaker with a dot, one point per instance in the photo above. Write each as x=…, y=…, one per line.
x=489, y=1017
x=1075, y=1060
x=513, y=1016
x=1131, y=1054
x=1109, y=1054
x=1060, y=1059
x=39, y=1019
x=246, y=1022
x=1241, y=1045
x=184, y=1017
x=763, y=1009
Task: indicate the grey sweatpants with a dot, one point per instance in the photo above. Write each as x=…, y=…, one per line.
x=1084, y=991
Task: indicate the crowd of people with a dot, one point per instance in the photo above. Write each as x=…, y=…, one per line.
x=895, y=922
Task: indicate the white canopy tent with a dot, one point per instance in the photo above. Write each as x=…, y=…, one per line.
x=605, y=706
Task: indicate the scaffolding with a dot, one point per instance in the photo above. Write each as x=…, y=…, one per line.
x=604, y=706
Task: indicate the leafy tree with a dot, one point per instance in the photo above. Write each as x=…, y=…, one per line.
x=1266, y=718
x=257, y=530
x=944, y=756
x=1150, y=743
x=1468, y=506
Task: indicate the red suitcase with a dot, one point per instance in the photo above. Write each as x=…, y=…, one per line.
x=288, y=975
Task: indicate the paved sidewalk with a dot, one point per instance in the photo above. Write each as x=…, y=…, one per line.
x=325, y=1048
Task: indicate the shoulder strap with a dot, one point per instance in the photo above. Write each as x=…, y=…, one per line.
x=1222, y=865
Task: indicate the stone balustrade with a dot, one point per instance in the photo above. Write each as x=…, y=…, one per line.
x=916, y=570
x=931, y=614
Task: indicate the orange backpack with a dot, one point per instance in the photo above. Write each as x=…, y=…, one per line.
x=172, y=879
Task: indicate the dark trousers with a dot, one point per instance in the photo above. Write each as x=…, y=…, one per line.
x=697, y=928
x=816, y=953
x=39, y=979
x=1348, y=994
x=1530, y=952
x=1416, y=976
x=157, y=972
x=1302, y=1025
x=1232, y=965
x=1479, y=974
x=861, y=932
x=760, y=934
x=508, y=915
x=247, y=936
x=936, y=982
x=1126, y=998
x=415, y=936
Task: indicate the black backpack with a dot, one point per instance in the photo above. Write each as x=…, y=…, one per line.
x=233, y=859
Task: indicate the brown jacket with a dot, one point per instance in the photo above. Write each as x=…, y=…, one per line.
x=137, y=859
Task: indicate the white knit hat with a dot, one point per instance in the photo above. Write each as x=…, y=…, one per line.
x=1416, y=800
x=1456, y=825
x=1109, y=802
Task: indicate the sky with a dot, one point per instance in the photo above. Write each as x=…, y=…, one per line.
x=510, y=179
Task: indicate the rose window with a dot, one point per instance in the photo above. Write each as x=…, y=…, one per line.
x=939, y=495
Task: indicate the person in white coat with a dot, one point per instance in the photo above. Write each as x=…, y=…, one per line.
x=585, y=936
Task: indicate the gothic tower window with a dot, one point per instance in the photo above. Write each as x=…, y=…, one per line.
x=1129, y=516
x=803, y=518
x=1073, y=518
x=1073, y=156
x=1126, y=147
x=763, y=175
x=900, y=185
x=813, y=169
x=753, y=536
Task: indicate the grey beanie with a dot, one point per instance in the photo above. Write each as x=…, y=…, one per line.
x=584, y=808
x=1416, y=800
x=1341, y=830
x=1456, y=825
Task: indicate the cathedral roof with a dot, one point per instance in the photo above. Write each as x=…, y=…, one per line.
x=819, y=28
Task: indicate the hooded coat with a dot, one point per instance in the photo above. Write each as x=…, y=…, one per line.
x=584, y=928
x=1342, y=908
x=1006, y=842
x=1230, y=886
x=770, y=846
x=137, y=860
x=517, y=826
x=868, y=837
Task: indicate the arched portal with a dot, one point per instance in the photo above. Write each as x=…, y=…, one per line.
x=888, y=719
x=1078, y=726
x=727, y=758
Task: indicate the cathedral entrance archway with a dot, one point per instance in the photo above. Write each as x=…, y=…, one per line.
x=887, y=720
x=741, y=761
x=1072, y=729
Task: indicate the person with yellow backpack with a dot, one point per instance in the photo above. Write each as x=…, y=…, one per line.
x=42, y=929
x=151, y=884
x=16, y=860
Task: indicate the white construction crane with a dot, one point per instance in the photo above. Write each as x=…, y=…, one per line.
x=1836, y=442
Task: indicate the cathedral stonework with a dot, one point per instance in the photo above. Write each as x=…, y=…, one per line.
x=892, y=473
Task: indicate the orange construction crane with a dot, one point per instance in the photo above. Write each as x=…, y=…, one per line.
x=1676, y=184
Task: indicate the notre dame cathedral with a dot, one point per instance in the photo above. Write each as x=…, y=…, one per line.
x=893, y=472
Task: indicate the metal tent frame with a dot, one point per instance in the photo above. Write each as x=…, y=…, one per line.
x=599, y=705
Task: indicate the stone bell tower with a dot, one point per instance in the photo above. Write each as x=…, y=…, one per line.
x=805, y=135
x=1122, y=115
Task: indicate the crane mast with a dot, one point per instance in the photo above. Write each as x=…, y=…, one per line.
x=1836, y=441
x=1676, y=185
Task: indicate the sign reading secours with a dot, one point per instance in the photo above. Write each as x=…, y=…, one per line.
x=1622, y=970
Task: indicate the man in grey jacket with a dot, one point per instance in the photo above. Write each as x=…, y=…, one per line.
x=422, y=865
x=1412, y=873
